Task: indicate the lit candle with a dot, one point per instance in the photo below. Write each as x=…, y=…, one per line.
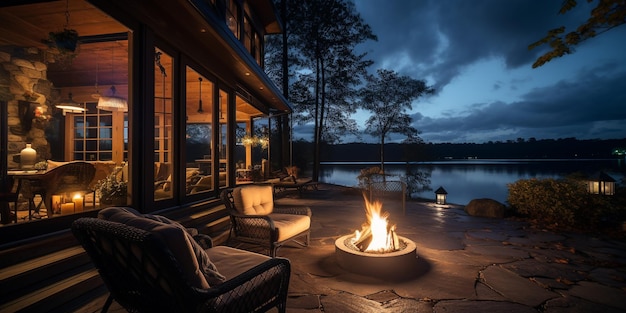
x=67, y=208
x=78, y=203
x=56, y=203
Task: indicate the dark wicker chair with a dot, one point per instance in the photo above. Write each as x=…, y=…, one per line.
x=263, y=229
x=143, y=275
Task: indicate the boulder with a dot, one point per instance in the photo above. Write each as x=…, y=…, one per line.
x=485, y=208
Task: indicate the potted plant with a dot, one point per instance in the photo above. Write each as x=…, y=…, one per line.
x=112, y=190
x=66, y=41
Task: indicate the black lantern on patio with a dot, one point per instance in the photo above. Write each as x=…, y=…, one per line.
x=601, y=183
x=440, y=195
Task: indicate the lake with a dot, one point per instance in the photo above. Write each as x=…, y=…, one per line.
x=465, y=180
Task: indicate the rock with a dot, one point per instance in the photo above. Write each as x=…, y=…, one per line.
x=485, y=208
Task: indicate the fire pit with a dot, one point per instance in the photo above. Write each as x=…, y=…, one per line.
x=376, y=250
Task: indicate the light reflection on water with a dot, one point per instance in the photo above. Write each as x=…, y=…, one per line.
x=465, y=180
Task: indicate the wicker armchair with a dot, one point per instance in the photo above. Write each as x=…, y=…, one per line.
x=255, y=218
x=71, y=177
x=144, y=275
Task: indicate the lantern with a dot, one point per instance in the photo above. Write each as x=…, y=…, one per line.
x=440, y=195
x=601, y=183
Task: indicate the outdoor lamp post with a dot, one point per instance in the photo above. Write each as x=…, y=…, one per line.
x=440, y=195
x=601, y=183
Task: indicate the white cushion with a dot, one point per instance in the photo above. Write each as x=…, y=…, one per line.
x=254, y=199
x=289, y=225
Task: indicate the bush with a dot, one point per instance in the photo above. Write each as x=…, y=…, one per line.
x=564, y=203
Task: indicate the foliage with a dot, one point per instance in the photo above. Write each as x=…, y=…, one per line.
x=323, y=69
x=607, y=15
x=292, y=171
x=562, y=203
x=387, y=97
x=416, y=180
x=368, y=174
x=41, y=165
x=111, y=188
x=66, y=41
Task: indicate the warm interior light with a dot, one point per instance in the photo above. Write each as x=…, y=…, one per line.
x=69, y=105
x=441, y=198
x=112, y=102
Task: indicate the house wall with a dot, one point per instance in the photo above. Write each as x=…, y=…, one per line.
x=25, y=87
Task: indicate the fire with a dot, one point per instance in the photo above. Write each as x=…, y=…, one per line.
x=376, y=235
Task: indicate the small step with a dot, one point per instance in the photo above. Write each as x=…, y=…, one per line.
x=55, y=295
x=25, y=277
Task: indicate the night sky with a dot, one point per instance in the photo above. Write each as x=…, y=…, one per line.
x=475, y=54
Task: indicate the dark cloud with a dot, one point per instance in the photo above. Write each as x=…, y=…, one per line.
x=439, y=40
x=586, y=107
x=445, y=41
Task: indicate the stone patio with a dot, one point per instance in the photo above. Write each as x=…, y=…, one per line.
x=464, y=264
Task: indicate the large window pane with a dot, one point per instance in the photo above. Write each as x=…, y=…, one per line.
x=163, y=121
x=251, y=143
x=200, y=166
x=223, y=139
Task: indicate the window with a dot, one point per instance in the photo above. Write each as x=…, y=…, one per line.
x=200, y=165
x=251, y=143
x=232, y=17
x=224, y=167
x=93, y=134
x=163, y=127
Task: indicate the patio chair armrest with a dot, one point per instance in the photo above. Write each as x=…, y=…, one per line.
x=260, y=227
x=245, y=292
x=298, y=210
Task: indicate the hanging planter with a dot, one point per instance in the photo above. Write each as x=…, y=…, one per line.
x=66, y=41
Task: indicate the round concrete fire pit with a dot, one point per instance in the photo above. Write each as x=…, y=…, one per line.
x=393, y=265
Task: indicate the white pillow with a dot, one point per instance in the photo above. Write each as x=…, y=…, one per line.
x=254, y=199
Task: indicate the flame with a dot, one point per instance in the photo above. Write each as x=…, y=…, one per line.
x=378, y=225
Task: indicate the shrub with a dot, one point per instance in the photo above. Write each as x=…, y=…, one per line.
x=563, y=203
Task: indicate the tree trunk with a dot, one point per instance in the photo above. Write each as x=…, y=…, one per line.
x=382, y=154
x=316, y=136
x=283, y=121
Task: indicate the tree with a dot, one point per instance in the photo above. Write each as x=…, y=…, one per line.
x=607, y=15
x=388, y=96
x=324, y=70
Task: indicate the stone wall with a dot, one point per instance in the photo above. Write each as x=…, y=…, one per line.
x=25, y=87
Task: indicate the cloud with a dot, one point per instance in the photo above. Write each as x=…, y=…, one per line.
x=454, y=46
x=585, y=107
x=437, y=39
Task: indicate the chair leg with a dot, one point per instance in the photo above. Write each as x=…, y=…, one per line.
x=282, y=307
x=107, y=304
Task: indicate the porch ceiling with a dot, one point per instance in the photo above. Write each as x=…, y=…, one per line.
x=28, y=25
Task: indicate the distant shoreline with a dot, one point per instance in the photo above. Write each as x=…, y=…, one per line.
x=465, y=161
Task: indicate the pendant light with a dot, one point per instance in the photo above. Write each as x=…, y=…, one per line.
x=71, y=106
x=112, y=102
x=200, y=90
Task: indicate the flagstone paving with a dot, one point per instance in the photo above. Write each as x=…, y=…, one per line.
x=463, y=264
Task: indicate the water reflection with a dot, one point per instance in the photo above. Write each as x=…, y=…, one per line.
x=470, y=179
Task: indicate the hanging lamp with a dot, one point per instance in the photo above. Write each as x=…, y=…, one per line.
x=112, y=102
x=71, y=106
x=200, y=110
